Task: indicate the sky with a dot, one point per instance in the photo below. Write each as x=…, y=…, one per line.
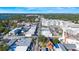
x=39, y=9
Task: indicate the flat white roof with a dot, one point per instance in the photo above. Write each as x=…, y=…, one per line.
x=73, y=41
x=74, y=25
x=46, y=33
x=24, y=42
x=32, y=29
x=21, y=48
x=74, y=30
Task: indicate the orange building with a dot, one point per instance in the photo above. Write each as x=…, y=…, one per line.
x=49, y=45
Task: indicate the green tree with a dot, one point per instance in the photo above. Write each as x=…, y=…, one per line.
x=55, y=41
x=3, y=46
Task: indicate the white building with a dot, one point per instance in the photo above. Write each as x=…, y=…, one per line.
x=31, y=31
x=74, y=41
x=46, y=32
x=44, y=22
x=23, y=44
x=21, y=48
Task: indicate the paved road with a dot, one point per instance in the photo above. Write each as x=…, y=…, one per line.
x=39, y=30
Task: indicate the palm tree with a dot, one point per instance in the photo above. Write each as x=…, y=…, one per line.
x=42, y=40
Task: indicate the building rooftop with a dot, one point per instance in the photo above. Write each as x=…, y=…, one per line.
x=24, y=42
x=70, y=46
x=74, y=25
x=21, y=48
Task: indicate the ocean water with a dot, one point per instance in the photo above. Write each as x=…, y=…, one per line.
x=4, y=17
